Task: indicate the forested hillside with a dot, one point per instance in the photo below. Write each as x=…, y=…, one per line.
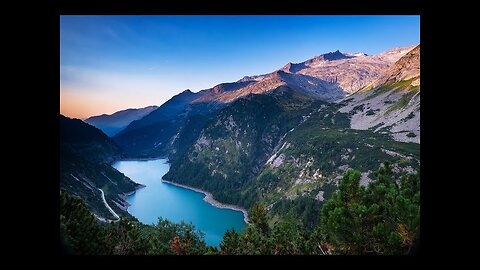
x=86, y=154
x=383, y=218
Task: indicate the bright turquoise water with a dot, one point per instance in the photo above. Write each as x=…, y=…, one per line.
x=174, y=203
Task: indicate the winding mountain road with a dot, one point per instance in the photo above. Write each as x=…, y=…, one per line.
x=109, y=208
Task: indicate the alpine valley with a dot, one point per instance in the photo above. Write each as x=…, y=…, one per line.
x=284, y=140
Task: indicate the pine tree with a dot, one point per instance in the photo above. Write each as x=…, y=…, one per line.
x=259, y=217
x=79, y=228
x=289, y=236
x=381, y=219
x=230, y=244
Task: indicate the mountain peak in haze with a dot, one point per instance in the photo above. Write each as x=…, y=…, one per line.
x=113, y=123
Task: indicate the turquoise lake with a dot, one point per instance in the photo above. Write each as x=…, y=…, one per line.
x=174, y=203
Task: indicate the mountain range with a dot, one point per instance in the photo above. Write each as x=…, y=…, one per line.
x=328, y=77
x=288, y=148
x=111, y=124
x=283, y=138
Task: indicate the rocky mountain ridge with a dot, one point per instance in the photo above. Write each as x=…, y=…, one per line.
x=329, y=77
x=335, y=71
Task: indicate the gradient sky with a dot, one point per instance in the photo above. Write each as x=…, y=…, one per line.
x=111, y=63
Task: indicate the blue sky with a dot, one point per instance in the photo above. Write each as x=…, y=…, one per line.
x=110, y=63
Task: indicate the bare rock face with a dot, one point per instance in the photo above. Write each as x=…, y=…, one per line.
x=391, y=104
x=329, y=77
x=354, y=71
x=405, y=68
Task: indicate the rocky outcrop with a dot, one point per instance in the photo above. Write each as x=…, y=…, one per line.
x=391, y=104
x=405, y=68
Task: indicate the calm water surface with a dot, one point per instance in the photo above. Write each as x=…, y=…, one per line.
x=174, y=203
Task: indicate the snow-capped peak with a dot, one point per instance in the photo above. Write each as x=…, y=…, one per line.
x=357, y=54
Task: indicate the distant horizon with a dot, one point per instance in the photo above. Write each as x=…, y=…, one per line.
x=114, y=63
x=121, y=110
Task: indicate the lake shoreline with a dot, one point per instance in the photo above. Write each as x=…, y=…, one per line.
x=209, y=199
x=142, y=159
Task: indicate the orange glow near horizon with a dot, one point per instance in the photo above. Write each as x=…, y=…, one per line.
x=75, y=105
